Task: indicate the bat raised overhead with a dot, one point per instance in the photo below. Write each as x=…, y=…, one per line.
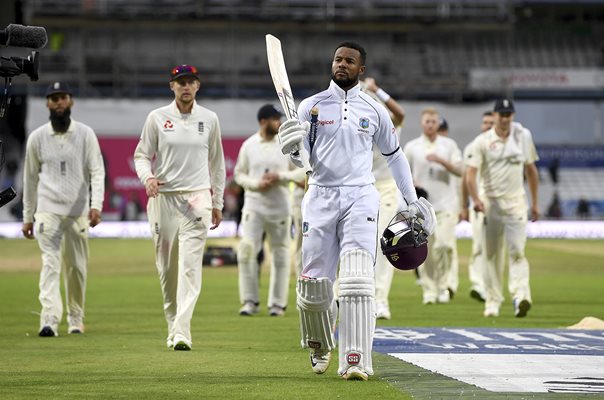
x=276, y=64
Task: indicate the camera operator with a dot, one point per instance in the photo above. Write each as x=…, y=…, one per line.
x=62, y=163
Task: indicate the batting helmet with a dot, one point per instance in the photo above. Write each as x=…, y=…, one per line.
x=404, y=243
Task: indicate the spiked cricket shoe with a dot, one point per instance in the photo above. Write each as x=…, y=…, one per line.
x=319, y=360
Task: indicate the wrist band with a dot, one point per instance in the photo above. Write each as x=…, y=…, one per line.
x=382, y=95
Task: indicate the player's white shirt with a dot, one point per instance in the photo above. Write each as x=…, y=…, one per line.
x=501, y=162
x=187, y=149
x=466, y=156
x=59, y=169
x=442, y=188
x=256, y=157
x=380, y=170
x=350, y=122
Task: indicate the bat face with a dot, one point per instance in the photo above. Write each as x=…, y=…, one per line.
x=276, y=64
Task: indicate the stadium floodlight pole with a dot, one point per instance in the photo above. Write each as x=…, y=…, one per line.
x=276, y=64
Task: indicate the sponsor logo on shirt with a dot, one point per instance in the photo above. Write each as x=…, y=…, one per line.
x=200, y=127
x=326, y=122
x=168, y=125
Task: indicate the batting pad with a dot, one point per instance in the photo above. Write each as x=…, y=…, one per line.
x=357, y=314
x=314, y=298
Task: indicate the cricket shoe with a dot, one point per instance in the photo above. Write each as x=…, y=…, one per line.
x=170, y=342
x=444, y=297
x=181, y=344
x=47, y=331
x=50, y=327
x=319, y=360
x=382, y=311
x=249, y=308
x=355, y=373
x=521, y=308
x=276, y=311
x=491, y=311
x=76, y=325
x=476, y=295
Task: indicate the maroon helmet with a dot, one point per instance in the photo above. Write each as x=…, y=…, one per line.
x=404, y=242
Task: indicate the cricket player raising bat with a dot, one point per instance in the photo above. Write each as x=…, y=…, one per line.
x=340, y=212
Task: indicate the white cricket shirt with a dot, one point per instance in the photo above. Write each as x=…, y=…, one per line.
x=63, y=172
x=258, y=156
x=441, y=185
x=350, y=122
x=501, y=161
x=187, y=149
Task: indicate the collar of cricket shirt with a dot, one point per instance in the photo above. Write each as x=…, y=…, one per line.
x=174, y=108
x=341, y=94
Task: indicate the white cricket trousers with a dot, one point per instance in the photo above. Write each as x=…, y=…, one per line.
x=384, y=271
x=505, y=225
x=434, y=272
x=63, y=242
x=179, y=225
x=277, y=228
x=296, y=242
x=477, y=263
x=337, y=220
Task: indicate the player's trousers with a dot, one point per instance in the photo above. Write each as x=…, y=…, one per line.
x=384, y=271
x=277, y=228
x=505, y=225
x=296, y=243
x=477, y=263
x=63, y=242
x=434, y=272
x=337, y=220
x=179, y=224
x=342, y=221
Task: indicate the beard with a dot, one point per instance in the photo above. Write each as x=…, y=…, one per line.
x=60, y=121
x=346, y=83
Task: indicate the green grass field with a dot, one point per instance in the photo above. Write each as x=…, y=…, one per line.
x=123, y=353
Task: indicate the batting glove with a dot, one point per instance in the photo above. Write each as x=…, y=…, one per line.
x=291, y=135
x=424, y=213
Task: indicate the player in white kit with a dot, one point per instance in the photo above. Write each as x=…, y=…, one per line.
x=434, y=161
x=453, y=275
x=340, y=212
x=63, y=189
x=185, y=185
x=477, y=262
x=387, y=189
x=265, y=173
x=504, y=155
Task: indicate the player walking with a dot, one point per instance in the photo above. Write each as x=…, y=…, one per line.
x=185, y=190
x=386, y=187
x=63, y=191
x=340, y=212
x=265, y=175
x=505, y=154
x=477, y=262
x=435, y=160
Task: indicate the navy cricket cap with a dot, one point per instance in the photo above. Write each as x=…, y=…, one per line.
x=268, y=111
x=58, y=87
x=503, y=106
x=184, y=70
x=444, y=126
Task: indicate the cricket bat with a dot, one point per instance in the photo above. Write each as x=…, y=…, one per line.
x=276, y=64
